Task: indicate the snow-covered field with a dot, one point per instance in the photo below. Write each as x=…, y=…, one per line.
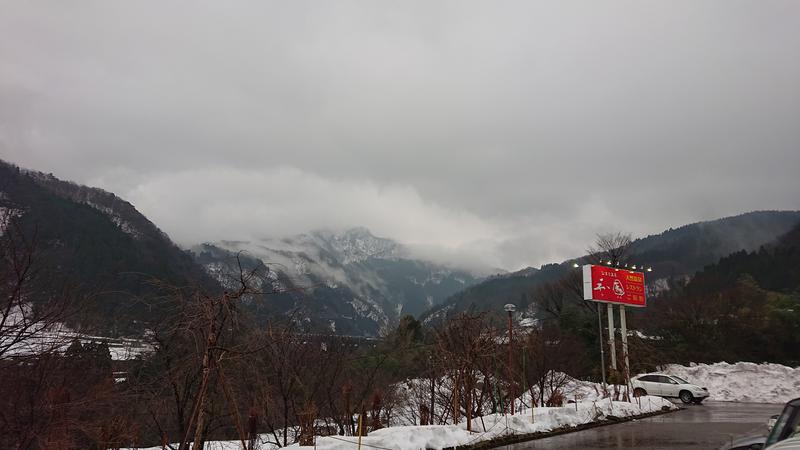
x=743, y=381
x=58, y=337
x=59, y=340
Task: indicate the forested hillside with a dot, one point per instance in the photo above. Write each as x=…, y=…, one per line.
x=93, y=247
x=673, y=254
x=745, y=307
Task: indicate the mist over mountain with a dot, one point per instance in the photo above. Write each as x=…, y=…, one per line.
x=350, y=282
x=673, y=254
x=774, y=266
x=112, y=257
x=296, y=224
x=343, y=282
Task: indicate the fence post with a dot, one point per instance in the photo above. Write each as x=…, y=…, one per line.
x=360, y=424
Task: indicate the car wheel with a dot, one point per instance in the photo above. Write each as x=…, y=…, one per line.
x=639, y=392
x=686, y=397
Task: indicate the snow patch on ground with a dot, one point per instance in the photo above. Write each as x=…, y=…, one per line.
x=59, y=337
x=742, y=381
x=489, y=427
x=47, y=337
x=495, y=425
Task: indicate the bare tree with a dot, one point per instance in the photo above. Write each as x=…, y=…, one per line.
x=464, y=345
x=610, y=248
x=550, y=356
x=185, y=384
x=31, y=335
x=25, y=328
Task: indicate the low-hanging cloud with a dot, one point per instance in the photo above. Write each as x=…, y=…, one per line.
x=504, y=132
x=246, y=204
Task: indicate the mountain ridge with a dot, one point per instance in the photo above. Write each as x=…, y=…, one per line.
x=347, y=281
x=373, y=279
x=96, y=244
x=673, y=253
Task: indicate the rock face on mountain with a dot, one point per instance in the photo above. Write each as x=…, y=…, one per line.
x=350, y=282
x=675, y=253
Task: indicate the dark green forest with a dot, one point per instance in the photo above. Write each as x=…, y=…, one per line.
x=82, y=253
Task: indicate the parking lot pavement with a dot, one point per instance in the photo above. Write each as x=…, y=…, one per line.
x=707, y=426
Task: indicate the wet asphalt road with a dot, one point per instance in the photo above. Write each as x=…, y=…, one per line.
x=707, y=426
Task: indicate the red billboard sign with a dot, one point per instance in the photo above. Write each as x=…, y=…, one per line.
x=613, y=285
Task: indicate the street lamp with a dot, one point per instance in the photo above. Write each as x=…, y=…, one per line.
x=510, y=308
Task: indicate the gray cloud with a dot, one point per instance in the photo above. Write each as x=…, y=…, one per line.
x=504, y=131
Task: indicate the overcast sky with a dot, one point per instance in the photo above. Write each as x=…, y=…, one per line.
x=509, y=132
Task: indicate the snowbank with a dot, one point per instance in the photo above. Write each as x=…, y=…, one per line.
x=742, y=381
x=486, y=428
x=495, y=425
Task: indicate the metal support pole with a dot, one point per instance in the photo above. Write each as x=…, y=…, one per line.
x=510, y=361
x=624, y=330
x=602, y=352
x=524, y=384
x=611, y=337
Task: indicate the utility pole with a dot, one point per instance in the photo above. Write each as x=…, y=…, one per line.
x=510, y=308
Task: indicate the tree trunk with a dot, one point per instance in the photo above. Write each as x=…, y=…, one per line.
x=433, y=398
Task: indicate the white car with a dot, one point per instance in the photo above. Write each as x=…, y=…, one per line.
x=663, y=385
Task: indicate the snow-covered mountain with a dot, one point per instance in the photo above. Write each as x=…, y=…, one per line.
x=350, y=282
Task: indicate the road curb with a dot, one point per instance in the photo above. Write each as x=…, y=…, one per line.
x=517, y=438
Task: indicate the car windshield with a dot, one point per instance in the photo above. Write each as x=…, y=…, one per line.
x=679, y=379
x=788, y=424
